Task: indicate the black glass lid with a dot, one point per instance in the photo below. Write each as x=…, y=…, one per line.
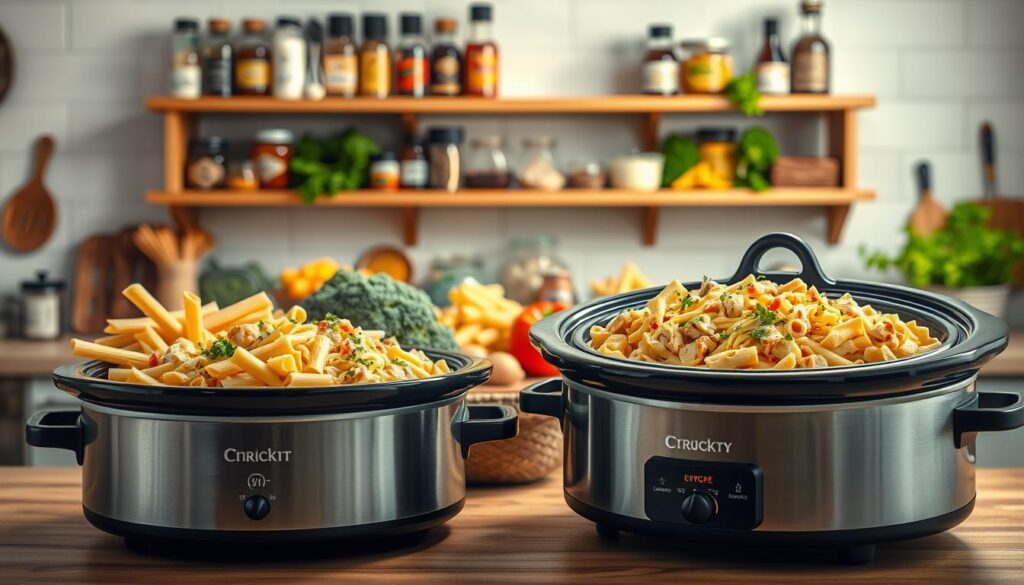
x=88, y=382
x=969, y=339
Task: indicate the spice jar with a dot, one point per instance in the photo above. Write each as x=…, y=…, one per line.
x=242, y=176
x=289, y=59
x=557, y=288
x=717, y=147
x=539, y=170
x=375, y=57
x=443, y=144
x=530, y=259
x=384, y=171
x=42, y=300
x=413, y=169
x=186, y=73
x=206, y=168
x=272, y=154
x=707, y=67
x=486, y=164
x=660, y=69
x=587, y=175
x=252, y=60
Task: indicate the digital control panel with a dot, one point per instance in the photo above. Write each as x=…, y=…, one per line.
x=717, y=495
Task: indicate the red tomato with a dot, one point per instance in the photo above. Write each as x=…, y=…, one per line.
x=774, y=305
x=519, y=339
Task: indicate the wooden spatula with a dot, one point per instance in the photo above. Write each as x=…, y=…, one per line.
x=928, y=216
x=30, y=215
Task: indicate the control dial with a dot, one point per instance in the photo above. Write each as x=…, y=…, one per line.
x=698, y=507
x=256, y=507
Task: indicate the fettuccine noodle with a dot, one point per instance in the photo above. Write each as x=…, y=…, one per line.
x=758, y=324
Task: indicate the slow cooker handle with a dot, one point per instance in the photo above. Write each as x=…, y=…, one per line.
x=59, y=429
x=993, y=411
x=810, y=271
x=485, y=422
x=544, y=397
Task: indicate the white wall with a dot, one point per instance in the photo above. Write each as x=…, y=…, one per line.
x=939, y=67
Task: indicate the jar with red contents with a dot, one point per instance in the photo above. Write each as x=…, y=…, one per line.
x=272, y=155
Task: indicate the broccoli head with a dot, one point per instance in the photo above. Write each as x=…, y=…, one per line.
x=380, y=302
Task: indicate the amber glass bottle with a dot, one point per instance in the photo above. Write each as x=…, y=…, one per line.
x=375, y=57
x=481, y=54
x=811, y=61
x=252, y=60
x=445, y=60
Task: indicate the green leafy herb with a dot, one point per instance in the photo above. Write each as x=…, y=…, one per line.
x=764, y=316
x=964, y=253
x=326, y=166
x=788, y=337
x=743, y=93
x=686, y=302
x=723, y=297
x=724, y=335
x=219, y=348
x=757, y=152
x=681, y=154
x=761, y=277
x=760, y=333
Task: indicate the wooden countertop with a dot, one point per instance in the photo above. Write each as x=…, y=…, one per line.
x=504, y=535
x=21, y=358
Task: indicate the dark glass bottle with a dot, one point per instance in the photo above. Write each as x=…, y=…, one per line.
x=445, y=60
x=481, y=53
x=217, y=67
x=772, y=68
x=411, y=66
x=811, y=58
x=252, y=60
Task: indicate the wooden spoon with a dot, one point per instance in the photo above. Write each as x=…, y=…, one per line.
x=30, y=215
x=929, y=216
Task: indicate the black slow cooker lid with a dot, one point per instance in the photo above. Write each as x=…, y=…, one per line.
x=88, y=382
x=969, y=339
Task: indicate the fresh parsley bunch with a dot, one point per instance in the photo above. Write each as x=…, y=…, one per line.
x=326, y=166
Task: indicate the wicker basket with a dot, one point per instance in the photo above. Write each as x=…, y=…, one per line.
x=533, y=454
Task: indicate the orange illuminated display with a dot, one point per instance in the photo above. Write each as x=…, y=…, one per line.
x=702, y=479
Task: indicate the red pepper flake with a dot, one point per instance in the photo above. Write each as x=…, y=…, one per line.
x=711, y=309
x=654, y=325
x=774, y=305
x=345, y=348
x=153, y=360
x=751, y=290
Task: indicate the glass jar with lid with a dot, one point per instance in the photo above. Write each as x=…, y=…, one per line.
x=717, y=147
x=206, y=168
x=272, y=154
x=445, y=156
x=530, y=258
x=539, y=170
x=707, y=65
x=486, y=164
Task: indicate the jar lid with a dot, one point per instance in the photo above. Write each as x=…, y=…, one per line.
x=186, y=24
x=384, y=156
x=660, y=31
x=716, y=134
x=445, y=135
x=219, y=25
x=445, y=25
x=410, y=23
x=275, y=136
x=480, y=12
x=288, y=21
x=254, y=24
x=375, y=26
x=714, y=44
x=340, y=24
x=210, y=142
x=41, y=283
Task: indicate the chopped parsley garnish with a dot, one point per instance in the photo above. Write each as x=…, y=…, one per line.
x=331, y=317
x=764, y=316
x=686, y=302
x=724, y=335
x=761, y=277
x=788, y=337
x=706, y=278
x=760, y=333
x=724, y=296
x=220, y=348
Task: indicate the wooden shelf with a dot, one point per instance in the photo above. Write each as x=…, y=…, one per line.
x=836, y=202
x=612, y=104
x=520, y=198
x=181, y=117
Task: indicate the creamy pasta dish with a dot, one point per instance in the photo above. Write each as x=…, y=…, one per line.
x=245, y=345
x=758, y=324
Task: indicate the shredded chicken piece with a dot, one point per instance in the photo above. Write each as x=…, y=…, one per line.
x=699, y=325
x=732, y=305
x=706, y=286
x=693, y=353
x=245, y=335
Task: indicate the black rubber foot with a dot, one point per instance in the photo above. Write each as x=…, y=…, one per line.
x=607, y=531
x=857, y=555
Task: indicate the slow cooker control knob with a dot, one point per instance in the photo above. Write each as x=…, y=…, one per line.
x=698, y=507
x=256, y=507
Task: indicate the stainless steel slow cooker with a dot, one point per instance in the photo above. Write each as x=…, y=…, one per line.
x=272, y=465
x=844, y=457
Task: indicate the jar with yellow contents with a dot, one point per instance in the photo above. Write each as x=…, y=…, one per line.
x=707, y=67
x=717, y=147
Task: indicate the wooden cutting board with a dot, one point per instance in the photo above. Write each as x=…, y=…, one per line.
x=107, y=264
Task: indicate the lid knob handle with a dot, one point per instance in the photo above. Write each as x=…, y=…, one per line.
x=810, y=271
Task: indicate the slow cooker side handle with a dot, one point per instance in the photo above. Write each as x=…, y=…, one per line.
x=993, y=411
x=544, y=397
x=59, y=429
x=485, y=422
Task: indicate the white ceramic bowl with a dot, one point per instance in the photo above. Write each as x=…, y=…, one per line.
x=639, y=172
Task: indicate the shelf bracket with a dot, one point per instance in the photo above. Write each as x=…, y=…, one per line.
x=409, y=123
x=185, y=218
x=650, y=228
x=835, y=219
x=410, y=225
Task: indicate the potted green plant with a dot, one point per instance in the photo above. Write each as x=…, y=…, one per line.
x=965, y=259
